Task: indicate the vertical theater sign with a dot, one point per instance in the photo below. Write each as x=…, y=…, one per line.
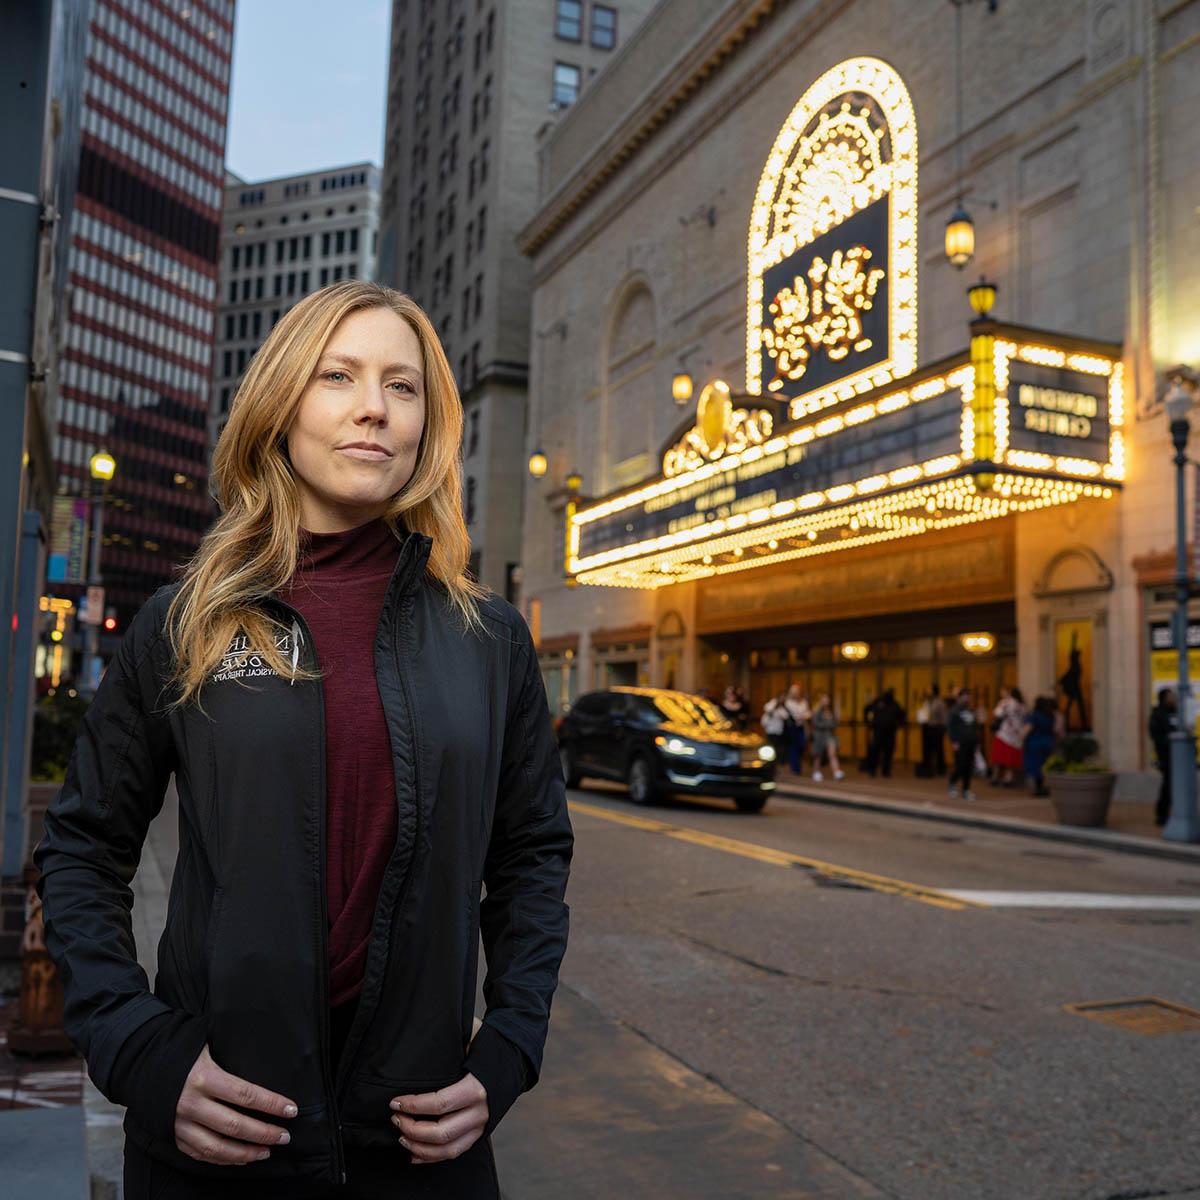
x=839, y=439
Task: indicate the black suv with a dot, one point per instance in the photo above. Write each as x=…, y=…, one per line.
x=661, y=741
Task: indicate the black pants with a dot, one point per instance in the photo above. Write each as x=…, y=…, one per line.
x=933, y=748
x=1162, y=810
x=883, y=747
x=964, y=765
x=371, y=1174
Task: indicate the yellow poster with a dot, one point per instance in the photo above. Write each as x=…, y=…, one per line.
x=1164, y=665
x=1073, y=671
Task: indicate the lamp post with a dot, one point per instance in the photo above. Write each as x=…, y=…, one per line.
x=103, y=467
x=1183, y=824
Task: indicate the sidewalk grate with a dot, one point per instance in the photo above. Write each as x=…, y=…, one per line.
x=1146, y=1015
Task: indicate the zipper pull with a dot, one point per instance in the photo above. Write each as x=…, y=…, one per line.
x=296, y=636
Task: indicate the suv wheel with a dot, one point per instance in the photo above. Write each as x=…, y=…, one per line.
x=751, y=804
x=570, y=768
x=641, y=781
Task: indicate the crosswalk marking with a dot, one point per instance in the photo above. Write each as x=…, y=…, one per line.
x=1086, y=900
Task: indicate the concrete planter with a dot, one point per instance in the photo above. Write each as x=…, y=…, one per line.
x=1083, y=798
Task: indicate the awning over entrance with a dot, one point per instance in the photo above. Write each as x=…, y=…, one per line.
x=1023, y=420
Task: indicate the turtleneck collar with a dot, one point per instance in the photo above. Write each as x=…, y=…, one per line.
x=364, y=550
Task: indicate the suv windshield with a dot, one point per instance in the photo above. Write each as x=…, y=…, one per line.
x=681, y=709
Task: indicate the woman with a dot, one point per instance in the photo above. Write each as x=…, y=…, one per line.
x=824, y=740
x=734, y=707
x=1040, y=735
x=776, y=722
x=359, y=737
x=1009, y=725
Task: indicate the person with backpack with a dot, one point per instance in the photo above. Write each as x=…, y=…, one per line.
x=963, y=728
x=1164, y=720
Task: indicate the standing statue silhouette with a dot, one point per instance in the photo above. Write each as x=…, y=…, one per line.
x=1071, y=683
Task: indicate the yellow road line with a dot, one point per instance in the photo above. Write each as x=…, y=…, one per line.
x=779, y=858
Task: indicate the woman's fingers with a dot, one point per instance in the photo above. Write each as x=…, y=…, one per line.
x=229, y=1123
x=428, y=1135
x=221, y=1085
x=444, y=1153
x=203, y=1144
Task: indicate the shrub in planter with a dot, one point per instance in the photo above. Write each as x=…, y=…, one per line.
x=1081, y=783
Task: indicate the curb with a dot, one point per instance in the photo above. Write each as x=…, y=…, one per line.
x=1124, y=843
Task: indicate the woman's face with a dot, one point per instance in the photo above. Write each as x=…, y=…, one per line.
x=354, y=440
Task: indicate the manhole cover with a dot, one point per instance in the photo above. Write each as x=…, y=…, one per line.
x=1147, y=1015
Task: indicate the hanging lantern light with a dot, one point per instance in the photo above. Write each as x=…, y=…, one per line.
x=982, y=296
x=681, y=387
x=538, y=463
x=574, y=481
x=960, y=237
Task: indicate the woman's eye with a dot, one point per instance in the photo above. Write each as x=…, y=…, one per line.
x=335, y=376
x=403, y=383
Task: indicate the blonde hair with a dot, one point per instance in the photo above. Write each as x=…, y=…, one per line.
x=252, y=549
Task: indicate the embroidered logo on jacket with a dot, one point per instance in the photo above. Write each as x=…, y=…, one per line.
x=243, y=661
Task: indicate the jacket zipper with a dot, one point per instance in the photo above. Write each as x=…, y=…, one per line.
x=352, y=1047
x=298, y=622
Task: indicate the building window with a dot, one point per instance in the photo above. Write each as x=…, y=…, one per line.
x=258, y=287
x=354, y=241
x=566, y=85
x=325, y=243
x=469, y=514
x=473, y=435
x=604, y=27
x=568, y=20
x=229, y=327
x=237, y=253
x=324, y=276
x=478, y=294
x=243, y=325
x=466, y=306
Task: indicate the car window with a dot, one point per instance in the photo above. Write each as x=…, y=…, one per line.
x=590, y=705
x=691, y=710
x=643, y=711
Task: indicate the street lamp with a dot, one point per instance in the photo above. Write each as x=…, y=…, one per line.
x=538, y=463
x=1183, y=824
x=103, y=467
x=960, y=237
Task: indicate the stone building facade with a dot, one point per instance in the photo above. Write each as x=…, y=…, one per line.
x=1078, y=156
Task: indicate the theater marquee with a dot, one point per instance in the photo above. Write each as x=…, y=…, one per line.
x=837, y=440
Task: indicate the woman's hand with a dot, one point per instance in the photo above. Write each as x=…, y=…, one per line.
x=208, y=1130
x=459, y=1114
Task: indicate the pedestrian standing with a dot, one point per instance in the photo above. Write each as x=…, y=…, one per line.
x=1040, y=736
x=359, y=736
x=935, y=730
x=824, y=740
x=963, y=728
x=1009, y=716
x=1164, y=720
x=884, y=716
x=734, y=707
x=775, y=721
x=797, y=706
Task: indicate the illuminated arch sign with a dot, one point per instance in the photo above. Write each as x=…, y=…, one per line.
x=832, y=295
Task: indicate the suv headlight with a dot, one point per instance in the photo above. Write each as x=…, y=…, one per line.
x=674, y=745
x=766, y=753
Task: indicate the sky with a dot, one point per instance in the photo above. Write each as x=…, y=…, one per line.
x=309, y=85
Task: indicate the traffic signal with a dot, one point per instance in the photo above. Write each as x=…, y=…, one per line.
x=110, y=620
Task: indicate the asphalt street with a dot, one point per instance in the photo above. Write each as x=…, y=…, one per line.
x=814, y=1002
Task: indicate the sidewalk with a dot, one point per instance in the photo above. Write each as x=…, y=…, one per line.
x=1130, y=827
x=41, y=1121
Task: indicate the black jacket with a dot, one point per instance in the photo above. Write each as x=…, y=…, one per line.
x=242, y=964
x=963, y=726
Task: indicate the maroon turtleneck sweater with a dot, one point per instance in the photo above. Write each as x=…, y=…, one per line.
x=339, y=588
